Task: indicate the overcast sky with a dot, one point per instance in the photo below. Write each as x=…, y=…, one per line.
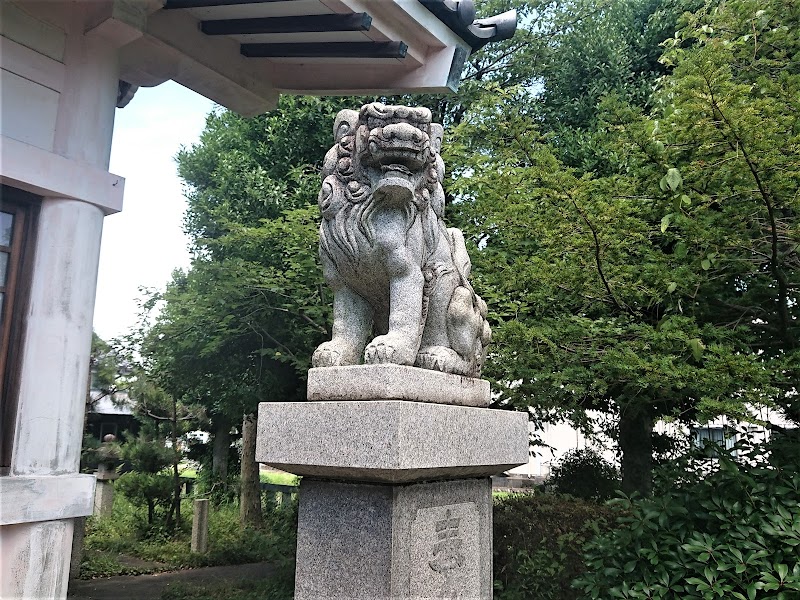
x=145, y=242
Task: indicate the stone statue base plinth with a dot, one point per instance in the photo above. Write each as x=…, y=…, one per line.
x=375, y=542
x=396, y=502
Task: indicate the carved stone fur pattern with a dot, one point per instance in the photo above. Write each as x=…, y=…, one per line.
x=399, y=276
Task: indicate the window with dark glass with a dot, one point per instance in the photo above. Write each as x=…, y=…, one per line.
x=17, y=218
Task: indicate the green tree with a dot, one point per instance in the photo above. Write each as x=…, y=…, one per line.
x=584, y=473
x=239, y=327
x=147, y=483
x=653, y=288
x=579, y=280
x=613, y=49
x=730, y=125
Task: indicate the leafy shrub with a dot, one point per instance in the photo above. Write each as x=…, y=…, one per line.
x=118, y=532
x=147, y=483
x=146, y=455
x=147, y=489
x=583, y=473
x=731, y=532
x=123, y=534
x=89, y=459
x=538, y=540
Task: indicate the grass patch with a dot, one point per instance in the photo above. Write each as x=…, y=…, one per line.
x=279, y=478
x=122, y=545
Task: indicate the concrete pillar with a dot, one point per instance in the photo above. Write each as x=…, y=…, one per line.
x=36, y=539
x=34, y=563
x=55, y=363
x=55, y=360
x=103, y=498
x=200, y=527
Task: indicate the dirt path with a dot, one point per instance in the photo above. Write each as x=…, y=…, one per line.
x=150, y=587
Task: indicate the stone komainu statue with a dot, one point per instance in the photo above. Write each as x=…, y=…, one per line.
x=396, y=271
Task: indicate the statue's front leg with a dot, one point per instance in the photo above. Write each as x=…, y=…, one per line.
x=352, y=326
x=401, y=342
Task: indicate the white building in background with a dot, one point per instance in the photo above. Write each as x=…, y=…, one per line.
x=66, y=67
x=557, y=439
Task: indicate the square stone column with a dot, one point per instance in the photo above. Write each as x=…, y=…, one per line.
x=395, y=503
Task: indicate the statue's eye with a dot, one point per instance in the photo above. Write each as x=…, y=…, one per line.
x=342, y=130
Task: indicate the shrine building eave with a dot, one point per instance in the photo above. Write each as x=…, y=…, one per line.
x=244, y=53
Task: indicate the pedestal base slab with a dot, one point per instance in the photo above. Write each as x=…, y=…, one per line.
x=390, y=441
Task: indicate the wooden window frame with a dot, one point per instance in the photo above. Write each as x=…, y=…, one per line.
x=25, y=207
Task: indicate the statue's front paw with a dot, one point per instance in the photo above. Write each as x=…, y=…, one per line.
x=327, y=355
x=389, y=348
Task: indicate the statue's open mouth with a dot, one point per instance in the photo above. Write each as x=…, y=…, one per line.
x=396, y=168
x=396, y=184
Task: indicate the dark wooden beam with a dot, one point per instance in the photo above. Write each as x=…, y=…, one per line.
x=302, y=24
x=327, y=50
x=177, y=4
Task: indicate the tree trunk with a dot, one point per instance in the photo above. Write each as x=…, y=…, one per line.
x=250, y=500
x=636, y=444
x=176, y=476
x=222, y=442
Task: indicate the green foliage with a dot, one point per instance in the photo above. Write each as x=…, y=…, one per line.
x=153, y=490
x=612, y=50
x=240, y=326
x=104, y=363
x=98, y=564
x=730, y=124
x=123, y=534
x=147, y=484
x=585, y=474
x=730, y=533
x=89, y=457
x=248, y=169
x=144, y=454
x=538, y=540
x=658, y=277
x=279, y=478
x=583, y=313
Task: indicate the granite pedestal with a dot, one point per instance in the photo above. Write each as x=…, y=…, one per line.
x=395, y=501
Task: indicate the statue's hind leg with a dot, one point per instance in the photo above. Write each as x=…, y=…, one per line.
x=435, y=352
x=460, y=350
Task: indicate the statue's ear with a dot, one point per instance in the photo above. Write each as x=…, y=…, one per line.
x=345, y=124
x=437, y=132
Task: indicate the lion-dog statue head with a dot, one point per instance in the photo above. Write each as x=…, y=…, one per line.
x=396, y=271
